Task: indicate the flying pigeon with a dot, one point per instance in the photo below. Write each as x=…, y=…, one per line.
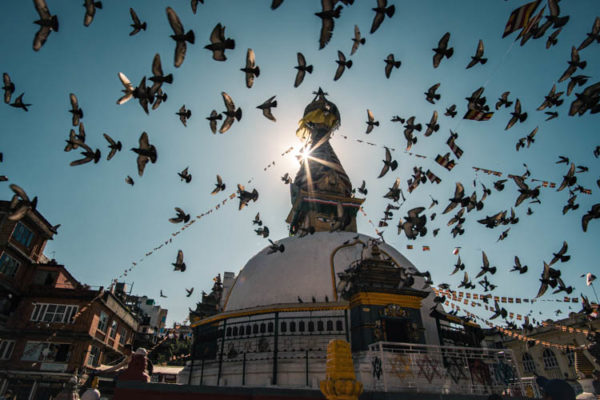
x=251, y=69
x=75, y=110
x=184, y=114
x=146, y=152
x=179, y=265
x=371, y=123
x=381, y=11
x=137, y=24
x=442, y=50
x=266, y=108
x=90, y=11
x=180, y=37
x=47, y=23
x=302, y=69
x=391, y=63
x=478, y=58
x=388, y=163
x=113, y=146
x=231, y=114
x=185, y=175
x=327, y=15
x=342, y=64
x=219, y=186
x=357, y=40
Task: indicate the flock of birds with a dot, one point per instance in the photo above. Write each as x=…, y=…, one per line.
x=151, y=95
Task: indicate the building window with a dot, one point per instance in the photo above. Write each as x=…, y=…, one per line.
x=263, y=327
x=301, y=326
x=571, y=357
x=228, y=332
x=103, y=321
x=6, y=348
x=61, y=313
x=330, y=325
x=550, y=361
x=292, y=326
x=23, y=235
x=94, y=357
x=528, y=363
x=283, y=327
x=123, y=336
x=113, y=329
x=320, y=326
x=311, y=326
x=270, y=327
x=255, y=328
x=235, y=331
x=8, y=265
x=44, y=351
x=339, y=325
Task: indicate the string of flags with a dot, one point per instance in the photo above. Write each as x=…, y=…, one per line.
x=500, y=299
x=272, y=163
x=446, y=162
x=564, y=328
x=176, y=233
x=510, y=333
x=191, y=222
x=424, y=248
x=377, y=231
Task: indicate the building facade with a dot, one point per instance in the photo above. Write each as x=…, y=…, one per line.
x=535, y=359
x=52, y=326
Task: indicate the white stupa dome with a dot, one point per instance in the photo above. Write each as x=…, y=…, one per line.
x=302, y=271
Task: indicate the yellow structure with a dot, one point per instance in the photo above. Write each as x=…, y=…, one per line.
x=340, y=382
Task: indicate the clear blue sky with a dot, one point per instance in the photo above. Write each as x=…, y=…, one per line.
x=106, y=224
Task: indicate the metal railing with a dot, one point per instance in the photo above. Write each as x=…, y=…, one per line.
x=441, y=369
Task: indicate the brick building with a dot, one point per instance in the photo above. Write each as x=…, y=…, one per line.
x=51, y=325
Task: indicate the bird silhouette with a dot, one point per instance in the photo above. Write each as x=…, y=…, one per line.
x=180, y=37
x=390, y=64
x=371, y=123
x=184, y=114
x=357, y=40
x=146, y=152
x=219, y=186
x=47, y=23
x=113, y=146
x=179, y=265
x=76, y=111
x=302, y=69
x=388, y=163
x=442, y=50
x=251, y=70
x=180, y=216
x=137, y=24
x=231, y=114
x=327, y=14
x=266, y=108
x=18, y=103
x=185, y=175
x=342, y=65
x=381, y=11
x=478, y=58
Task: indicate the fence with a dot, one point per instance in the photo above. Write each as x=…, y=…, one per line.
x=441, y=369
